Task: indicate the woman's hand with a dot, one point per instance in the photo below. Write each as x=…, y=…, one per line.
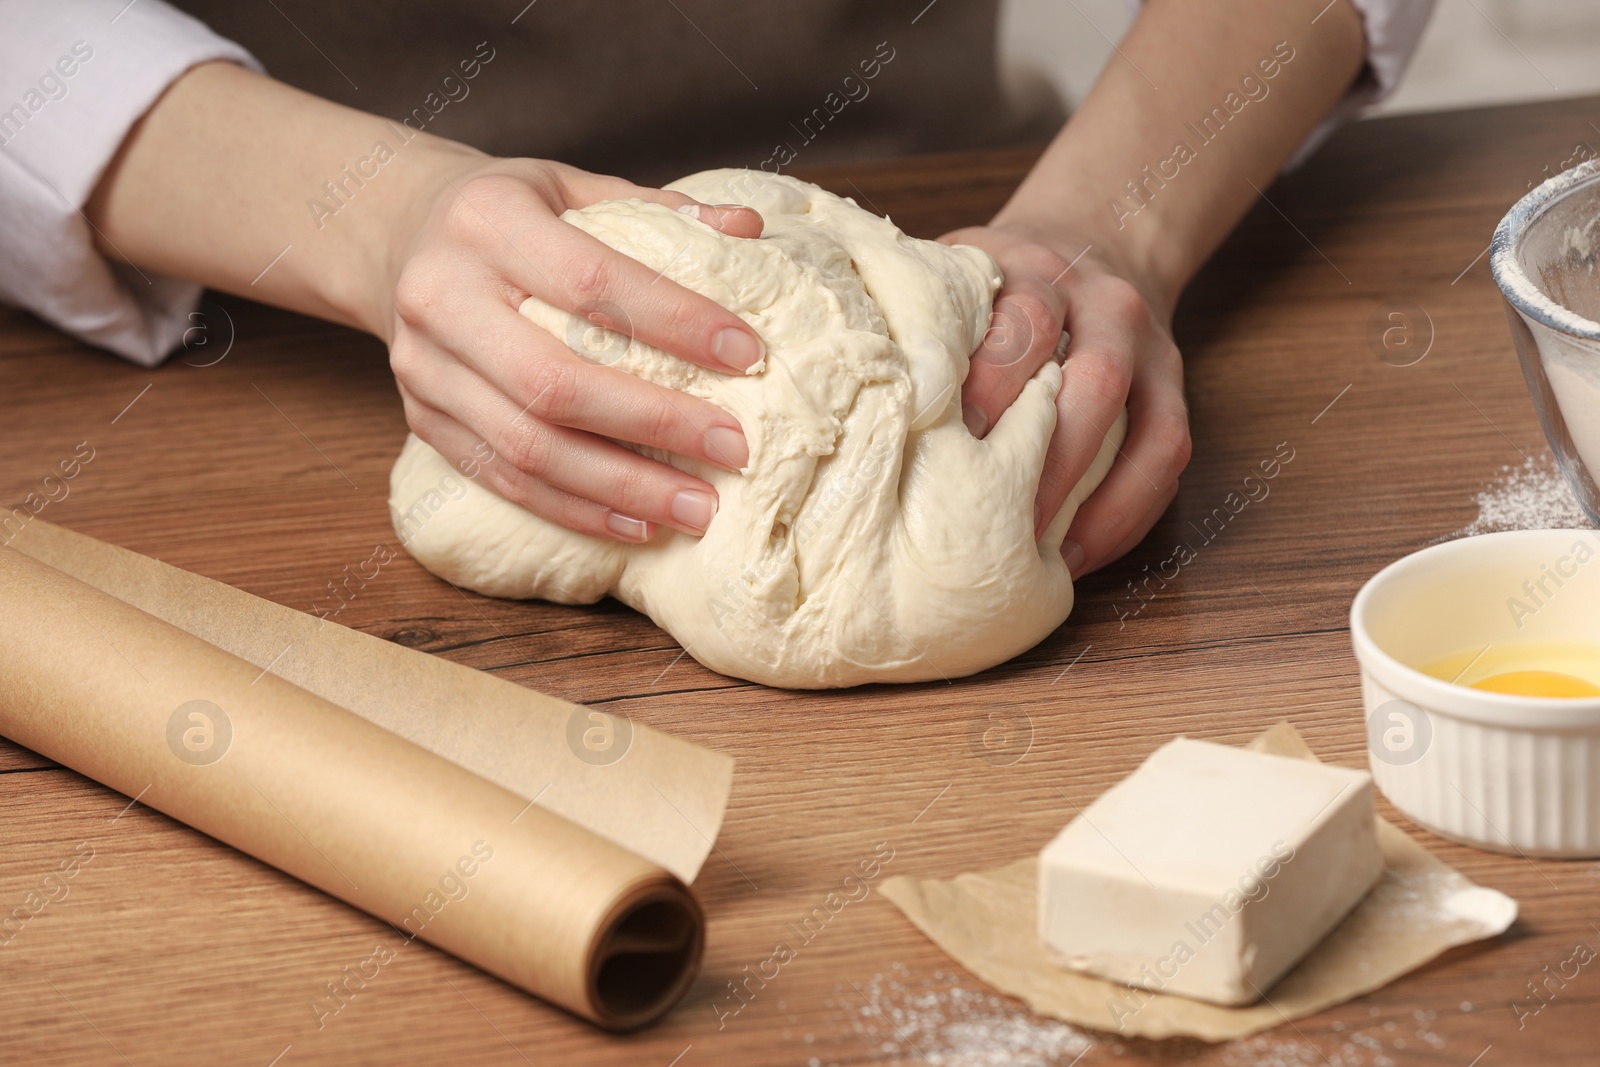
x=1118, y=352
x=472, y=370
x=432, y=246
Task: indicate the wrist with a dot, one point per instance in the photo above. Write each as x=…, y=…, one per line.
x=362, y=282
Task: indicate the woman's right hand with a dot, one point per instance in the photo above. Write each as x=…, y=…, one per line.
x=474, y=372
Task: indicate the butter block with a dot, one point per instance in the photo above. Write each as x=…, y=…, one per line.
x=1209, y=871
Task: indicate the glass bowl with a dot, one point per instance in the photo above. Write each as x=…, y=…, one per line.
x=1546, y=259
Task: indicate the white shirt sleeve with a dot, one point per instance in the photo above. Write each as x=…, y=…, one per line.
x=75, y=75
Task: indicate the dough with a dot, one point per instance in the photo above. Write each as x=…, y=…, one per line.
x=871, y=538
x=1208, y=872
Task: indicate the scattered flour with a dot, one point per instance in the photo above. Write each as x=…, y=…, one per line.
x=1533, y=496
x=939, y=1021
x=1297, y=1052
x=1349, y=1049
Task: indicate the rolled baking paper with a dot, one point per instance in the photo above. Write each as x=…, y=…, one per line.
x=652, y=793
x=333, y=799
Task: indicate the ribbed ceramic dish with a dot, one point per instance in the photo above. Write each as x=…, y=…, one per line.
x=1508, y=773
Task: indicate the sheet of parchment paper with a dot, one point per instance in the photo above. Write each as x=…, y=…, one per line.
x=438, y=852
x=988, y=922
x=663, y=798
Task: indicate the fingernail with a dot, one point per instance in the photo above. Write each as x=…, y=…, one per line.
x=976, y=418
x=737, y=349
x=728, y=447
x=1072, y=552
x=629, y=529
x=694, y=508
x=692, y=210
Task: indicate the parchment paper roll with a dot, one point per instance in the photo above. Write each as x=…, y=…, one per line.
x=327, y=796
x=652, y=793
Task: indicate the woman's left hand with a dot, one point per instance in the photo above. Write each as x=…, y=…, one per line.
x=1119, y=353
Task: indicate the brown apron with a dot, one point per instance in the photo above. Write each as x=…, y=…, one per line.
x=652, y=89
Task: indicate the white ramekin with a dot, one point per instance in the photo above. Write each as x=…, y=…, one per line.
x=1508, y=773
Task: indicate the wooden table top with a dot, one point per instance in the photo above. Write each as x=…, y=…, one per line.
x=269, y=470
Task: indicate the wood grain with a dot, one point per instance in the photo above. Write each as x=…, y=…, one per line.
x=268, y=470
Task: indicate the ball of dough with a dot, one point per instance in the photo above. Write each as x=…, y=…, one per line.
x=872, y=538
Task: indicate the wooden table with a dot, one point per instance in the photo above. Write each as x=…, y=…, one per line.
x=269, y=469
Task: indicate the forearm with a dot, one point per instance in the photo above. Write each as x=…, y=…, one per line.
x=224, y=177
x=1141, y=174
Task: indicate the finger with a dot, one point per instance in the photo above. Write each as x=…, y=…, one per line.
x=571, y=270
x=462, y=448
x=532, y=457
x=546, y=380
x=579, y=462
x=1084, y=566
x=1143, y=480
x=1095, y=380
x=735, y=220
x=1023, y=334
